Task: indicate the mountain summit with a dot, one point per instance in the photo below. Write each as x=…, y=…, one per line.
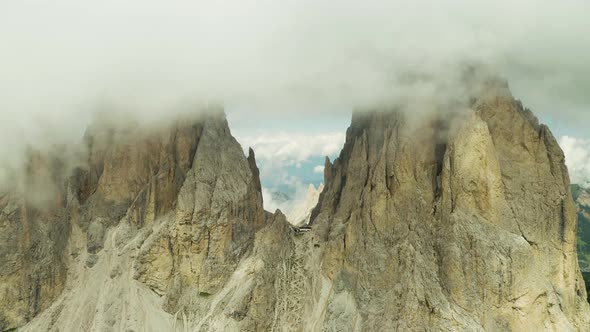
x=460, y=222
x=458, y=219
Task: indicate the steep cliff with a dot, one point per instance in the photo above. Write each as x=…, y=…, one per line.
x=174, y=208
x=33, y=236
x=464, y=222
x=458, y=219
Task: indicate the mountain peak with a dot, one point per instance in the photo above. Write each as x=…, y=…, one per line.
x=414, y=207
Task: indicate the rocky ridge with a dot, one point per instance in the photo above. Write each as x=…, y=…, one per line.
x=165, y=211
x=461, y=220
x=465, y=224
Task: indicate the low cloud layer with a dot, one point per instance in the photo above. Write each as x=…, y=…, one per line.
x=64, y=60
x=293, y=148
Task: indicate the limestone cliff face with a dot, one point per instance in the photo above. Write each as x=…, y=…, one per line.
x=33, y=236
x=169, y=209
x=459, y=220
x=219, y=209
x=464, y=224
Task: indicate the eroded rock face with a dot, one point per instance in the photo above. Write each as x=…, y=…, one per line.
x=465, y=225
x=33, y=236
x=459, y=220
x=172, y=209
x=219, y=209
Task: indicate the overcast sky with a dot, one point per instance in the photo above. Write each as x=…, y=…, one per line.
x=288, y=68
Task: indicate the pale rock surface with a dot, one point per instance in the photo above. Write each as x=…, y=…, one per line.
x=461, y=220
x=33, y=236
x=301, y=212
x=154, y=219
x=461, y=225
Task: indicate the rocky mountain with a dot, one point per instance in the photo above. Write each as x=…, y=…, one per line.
x=460, y=219
x=301, y=212
x=153, y=221
x=465, y=224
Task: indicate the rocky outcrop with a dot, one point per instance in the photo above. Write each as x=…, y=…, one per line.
x=167, y=211
x=33, y=237
x=459, y=223
x=456, y=220
x=218, y=211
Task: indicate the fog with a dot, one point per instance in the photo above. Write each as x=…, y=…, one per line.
x=63, y=61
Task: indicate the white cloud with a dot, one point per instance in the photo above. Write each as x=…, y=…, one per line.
x=577, y=158
x=272, y=204
x=150, y=56
x=273, y=197
x=64, y=59
x=293, y=148
x=275, y=152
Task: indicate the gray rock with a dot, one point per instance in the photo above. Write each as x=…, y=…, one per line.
x=456, y=220
x=455, y=223
x=96, y=232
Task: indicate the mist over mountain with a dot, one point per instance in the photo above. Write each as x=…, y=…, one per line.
x=294, y=166
x=459, y=218
x=65, y=61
